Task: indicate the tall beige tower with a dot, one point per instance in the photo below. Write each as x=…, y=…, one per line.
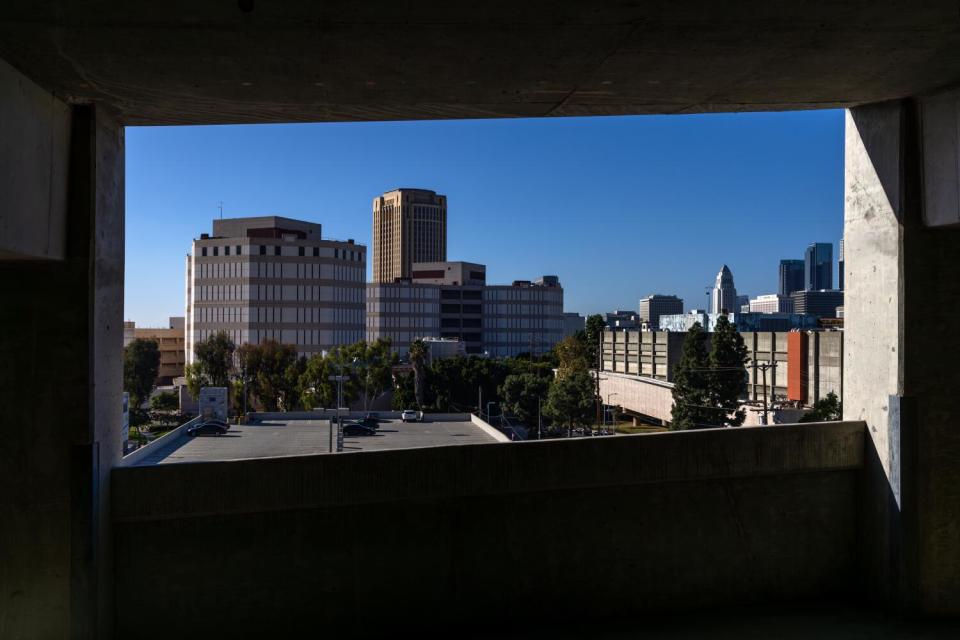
x=409, y=225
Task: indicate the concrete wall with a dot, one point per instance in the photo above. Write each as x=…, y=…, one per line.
x=653, y=398
x=490, y=534
x=60, y=402
x=34, y=140
x=900, y=374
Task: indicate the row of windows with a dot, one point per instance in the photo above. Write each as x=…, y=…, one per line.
x=277, y=292
x=288, y=270
x=425, y=322
x=323, y=338
x=352, y=255
x=273, y=315
x=524, y=294
x=403, y=307
x=401, y=292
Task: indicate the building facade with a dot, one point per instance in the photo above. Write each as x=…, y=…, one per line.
x=409, y=225
x=818, y=267
x=621, y=319
x=274, y=278
x=771, y=303
x=494, y=320
x=724, y=296
x=840, y=277
x=801, y=366
x=791, y=277
x=171, y=341
x=741, y=321
x=822, y=304
x=573, y=322
x=656, y=305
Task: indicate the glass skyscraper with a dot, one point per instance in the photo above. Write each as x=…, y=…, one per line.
x=819, y=266
x=791, y=277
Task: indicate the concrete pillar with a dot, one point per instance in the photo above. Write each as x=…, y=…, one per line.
x=61, y=333
x=900, y=355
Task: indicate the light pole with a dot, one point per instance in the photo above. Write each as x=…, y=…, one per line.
x=539, y=419
x=609, y=395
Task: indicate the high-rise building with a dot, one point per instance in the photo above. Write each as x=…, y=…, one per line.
x=274, y=278
x=656, y=305
x=818, y=267
x=840, y=267
x=499, y=320
x=724, y=297
x=791, y=277
x=409, y=225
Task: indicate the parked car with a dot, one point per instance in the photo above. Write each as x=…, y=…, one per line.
x=372, y=415
x=208, y=428
x=367, y=421
x=409, y=415
x=352, y=429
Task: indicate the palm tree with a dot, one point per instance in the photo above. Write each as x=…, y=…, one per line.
x=418, y=358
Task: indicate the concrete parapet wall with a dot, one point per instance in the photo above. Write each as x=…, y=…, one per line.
x=422, y=538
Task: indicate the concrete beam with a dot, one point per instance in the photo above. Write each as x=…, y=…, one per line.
x=35, y=131
x=210, y=62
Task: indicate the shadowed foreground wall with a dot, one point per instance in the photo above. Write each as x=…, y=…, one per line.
x=488, y=533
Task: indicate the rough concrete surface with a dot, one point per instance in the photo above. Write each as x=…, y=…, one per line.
x=254, y=61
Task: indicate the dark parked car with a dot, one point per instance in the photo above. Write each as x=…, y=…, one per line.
x=357, y=429
x=209, y=428
x=367, y=421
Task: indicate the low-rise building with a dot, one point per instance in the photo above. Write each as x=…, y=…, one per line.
x=742, y=321
x=620, y=319
x=656, y=305
x=771, y=303
x=495, y=320
x=821, y=303
x=170, y=341
x=801, y=366
x=573, y=322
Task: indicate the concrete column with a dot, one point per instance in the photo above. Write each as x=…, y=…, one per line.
x=61, y=335
x=900, y=355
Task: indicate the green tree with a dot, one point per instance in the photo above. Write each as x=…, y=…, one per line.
x=572, y=355
x=196, y=379
x=316, y=388
x=215, y=357
x=522, y=393
x=166, y=401
x=826, y=409
x=141, y=362
x=691, y=393
x=270, y=368
x=728, y=376
x=418, y=359
x=570, y=400
x=404, y=395
x=593, y=331
x=372, y=368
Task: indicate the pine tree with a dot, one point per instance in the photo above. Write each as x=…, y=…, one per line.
x=691, y=397
x=728, y=376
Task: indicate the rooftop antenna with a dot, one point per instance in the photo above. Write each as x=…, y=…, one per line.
x=221, y=209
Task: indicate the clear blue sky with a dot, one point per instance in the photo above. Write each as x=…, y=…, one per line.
x=618, y=207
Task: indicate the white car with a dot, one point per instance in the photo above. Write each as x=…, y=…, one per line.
x=409, y=415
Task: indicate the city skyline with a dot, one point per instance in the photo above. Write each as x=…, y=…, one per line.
x=536, y=224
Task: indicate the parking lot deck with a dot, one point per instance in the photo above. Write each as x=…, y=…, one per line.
x=269, y=438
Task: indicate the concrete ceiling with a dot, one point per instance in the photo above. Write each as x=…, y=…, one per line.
x=199, y=61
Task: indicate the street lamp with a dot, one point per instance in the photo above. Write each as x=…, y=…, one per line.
x=609, y=395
